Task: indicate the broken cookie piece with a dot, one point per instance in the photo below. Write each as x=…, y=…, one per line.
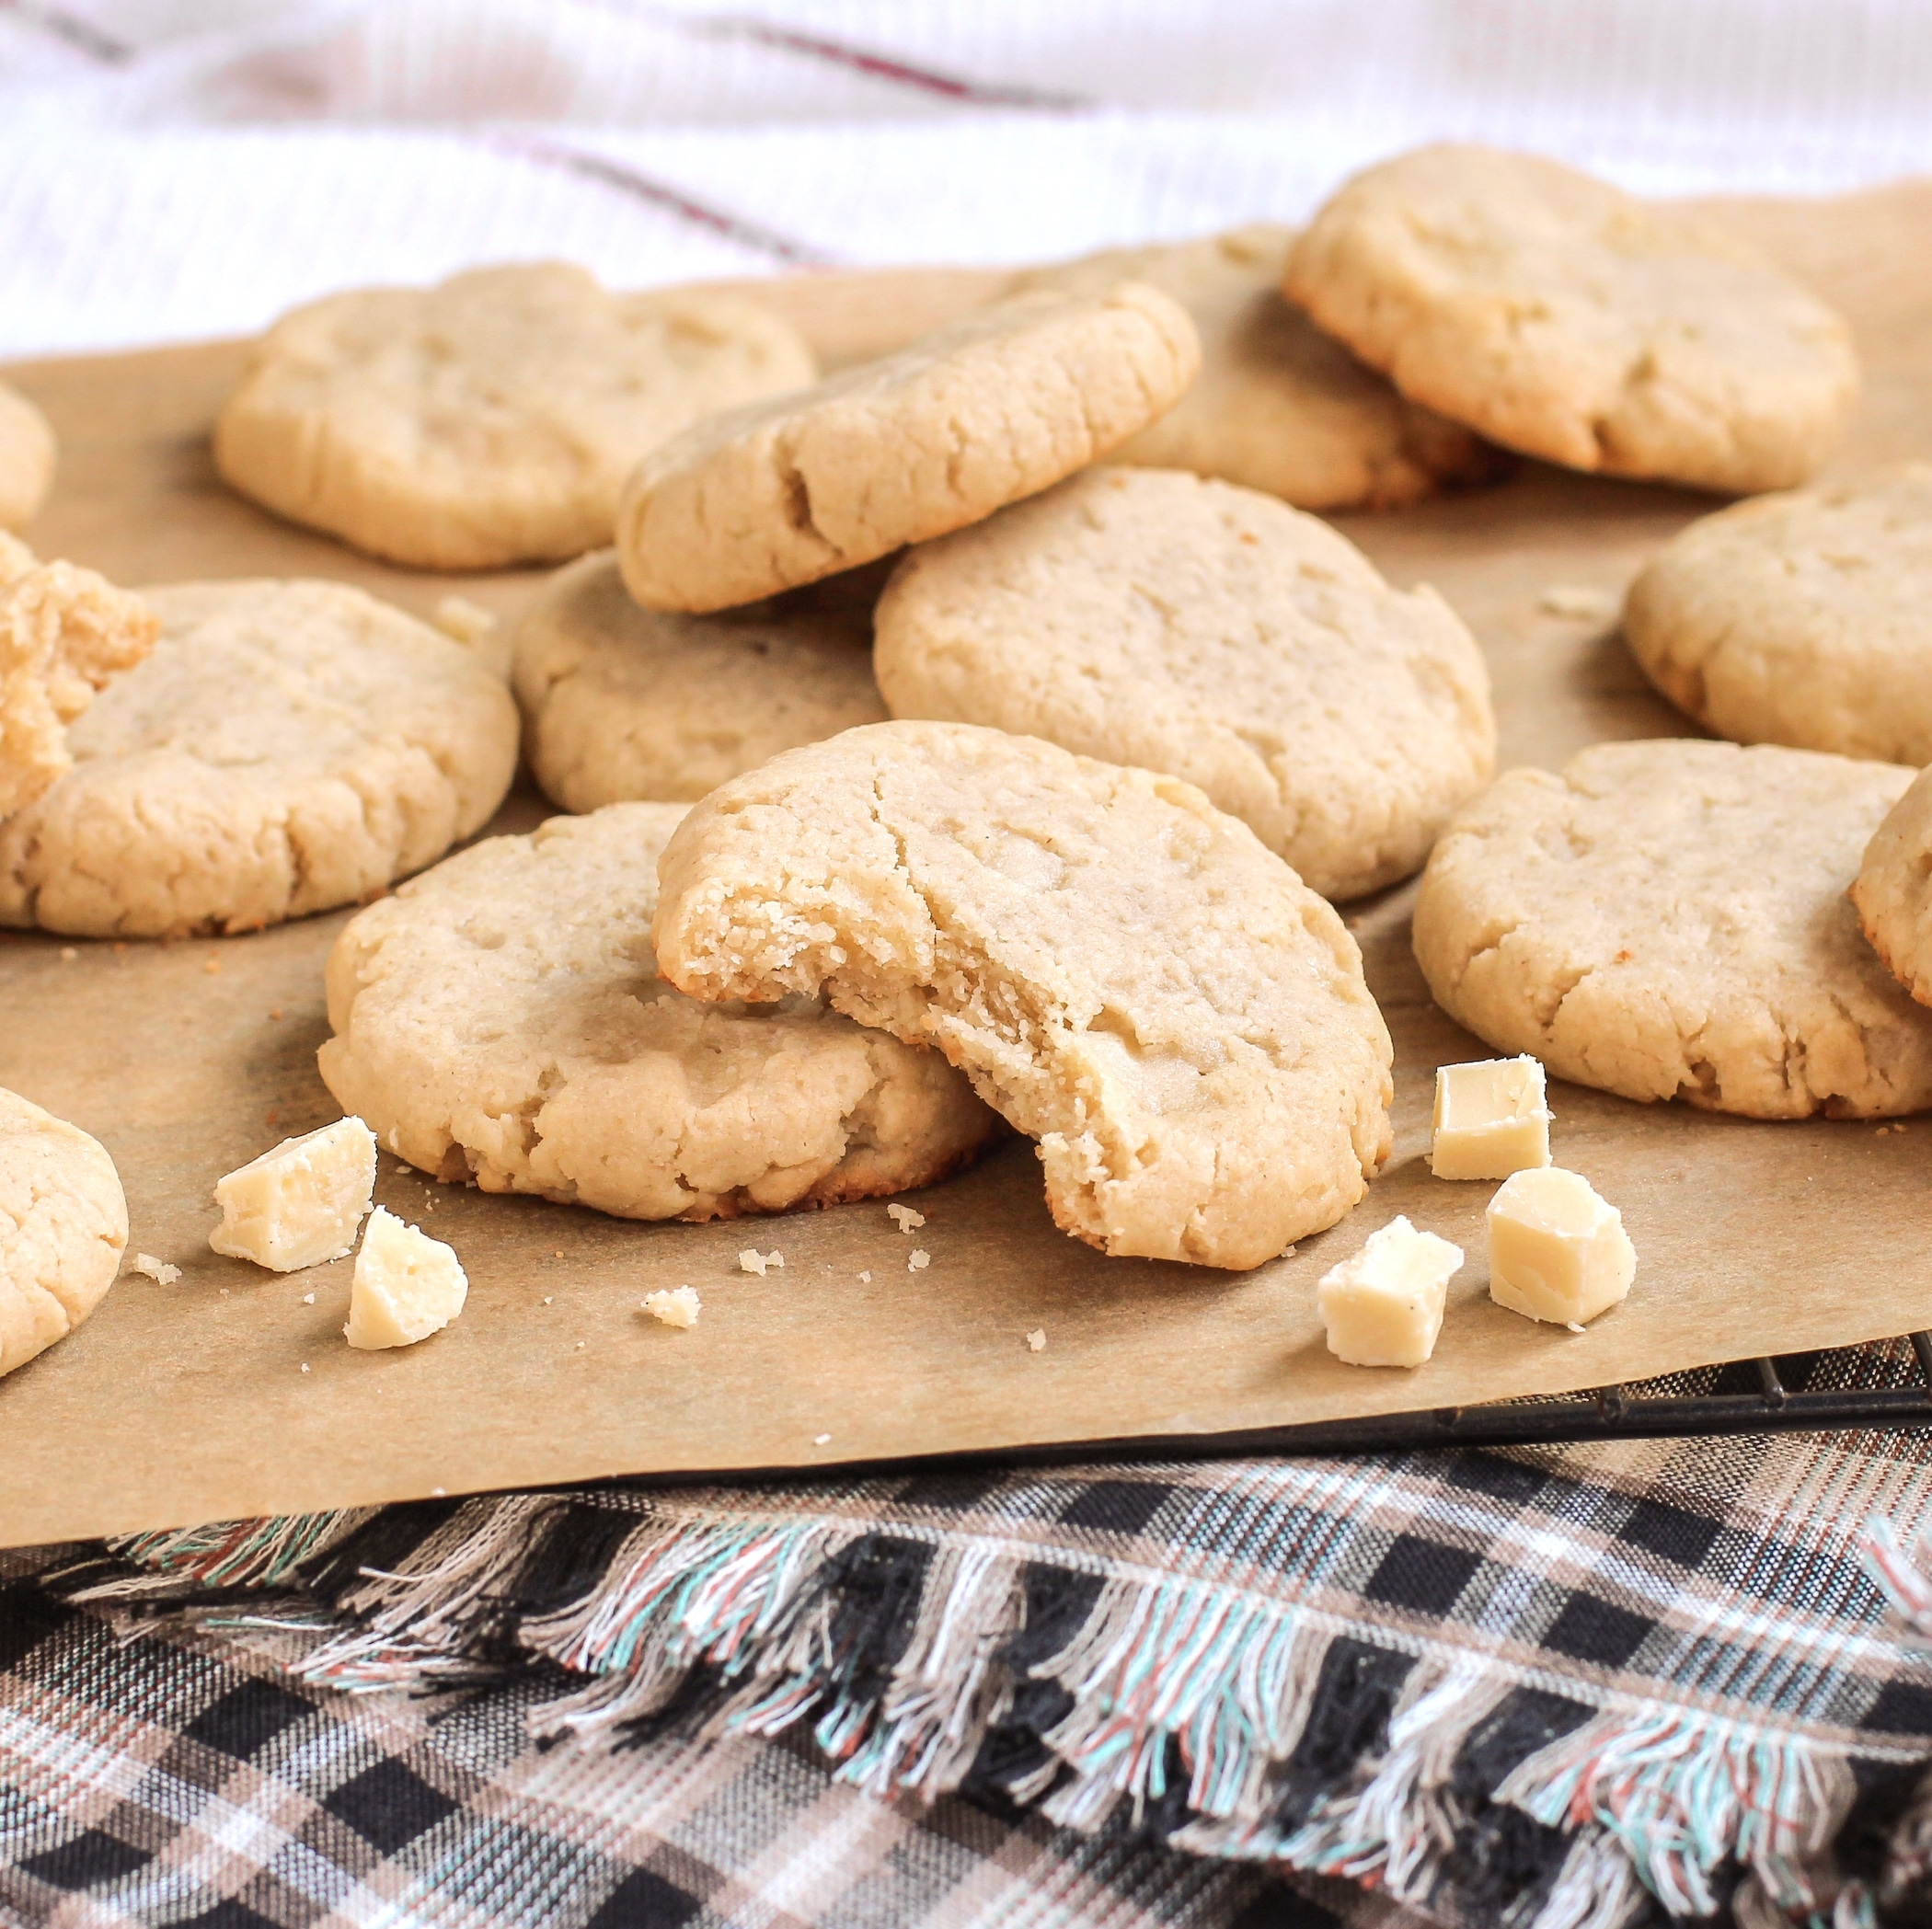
x=407, y=1285
x=1122, y=970
x=300, y=1203
x=64, y=634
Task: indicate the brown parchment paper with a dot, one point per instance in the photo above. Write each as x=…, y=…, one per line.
x=188, y=1402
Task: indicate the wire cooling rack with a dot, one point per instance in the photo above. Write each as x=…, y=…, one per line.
x=1885, y=1384
x=1888, y=1384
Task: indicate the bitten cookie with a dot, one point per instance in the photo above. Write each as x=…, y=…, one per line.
x=492, y=419
x=27, y=459
x=1803, y=619
x=500, y=1019
x=1147, y=616
x=1560, y=316
x=1120, y=969
x=999, y=406
x=621, y=702
x=1669, y=920
x=65, y=635
x=1278, y=404
x=1894, y=890
x=288, y=746
x=63, y=1226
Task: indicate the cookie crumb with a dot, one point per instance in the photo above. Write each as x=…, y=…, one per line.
x=214, y=964
x=274, y=1011
x=438, y=1493
x=308, y=1299
x=775, y=1259
x=678, y=1307
x=68, y=954
x=904, y=1218
x=156, y=1270
x=1572, y=1326
x=558, y=1253
x=1036, y=1340
x=918, y=1259
x=821, y=1440
x=865, y=1279
x=548, y=1297
x=1577, y=601
x=751, y=1260
x=304, y=1366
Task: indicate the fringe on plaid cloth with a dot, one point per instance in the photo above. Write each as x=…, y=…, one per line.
x=1550, y=1690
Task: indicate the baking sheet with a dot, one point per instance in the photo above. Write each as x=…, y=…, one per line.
x=190, y=1401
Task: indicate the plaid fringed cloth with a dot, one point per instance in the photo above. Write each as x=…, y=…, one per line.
x=1543, y=1688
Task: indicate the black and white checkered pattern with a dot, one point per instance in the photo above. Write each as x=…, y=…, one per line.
x=1568, y=1688
x=185, y=1779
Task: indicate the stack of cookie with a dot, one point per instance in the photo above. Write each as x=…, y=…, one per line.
x=1061, y=849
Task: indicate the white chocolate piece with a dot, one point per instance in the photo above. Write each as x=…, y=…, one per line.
x=407, y=1285
x=1492, y=1120
x=300, y=1203
x=678, y=1307
x=1384, y=1306
x=1557, y=1251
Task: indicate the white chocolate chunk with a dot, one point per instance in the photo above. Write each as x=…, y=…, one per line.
x=156, y=1270
x=1384, y=1306
x=300, y=1203
x=407, y=1285
x=751, y=1260
x=1557, y=1251
x=1490, y=1119
x=676, y=1307
x=904, y=1218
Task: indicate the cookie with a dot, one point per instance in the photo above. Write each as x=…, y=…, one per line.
x=621, y=702
x=1278, y=404
x=1148, y=617
x=500, y=1019
x=1559, y=316
x=65, y=635
x=999, y=406
x=27, y=459
x=1803, y=619
x=492, y=419
x=63, y=1226
x=1123, y=971
x=1669, y=920
x=288, y=746
x=1891, y=891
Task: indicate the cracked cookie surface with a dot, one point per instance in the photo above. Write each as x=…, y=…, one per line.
x=1803, y=619
x=1559, y=316
x=1669, y=919
x=66, y=632
x=27, y=459
x=501, y=1018
x=492, y=419
x=1148, y=617
x=63, y=1226
x=289, y=746
x=1123, y=971
x=621, y=702
x=1278, y=404
x=996, y=407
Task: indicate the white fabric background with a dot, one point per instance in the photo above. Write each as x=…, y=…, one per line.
x=171, y=169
